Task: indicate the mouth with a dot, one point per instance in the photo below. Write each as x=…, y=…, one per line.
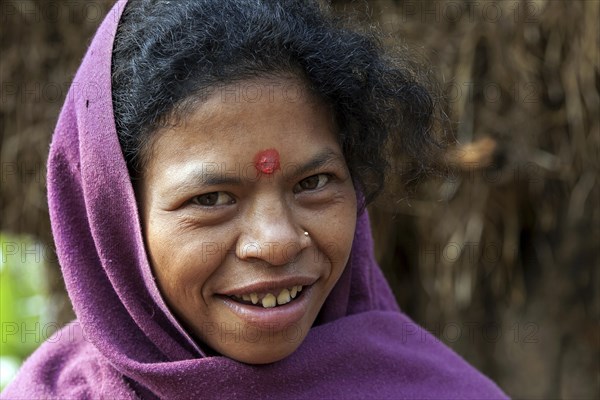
x=269, y=299
x=275, y=306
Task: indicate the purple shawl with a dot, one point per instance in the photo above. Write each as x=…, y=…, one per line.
x=126, y=343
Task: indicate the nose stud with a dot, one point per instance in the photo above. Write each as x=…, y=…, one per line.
x=305, y=233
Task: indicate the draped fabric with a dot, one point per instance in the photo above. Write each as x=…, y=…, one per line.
x=125, y=343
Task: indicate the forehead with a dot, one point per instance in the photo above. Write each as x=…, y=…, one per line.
x=256, y=102
x=237, y=121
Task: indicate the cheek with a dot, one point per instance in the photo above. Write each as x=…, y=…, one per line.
x=339, y=249
x=335, y=233
x=181, y=263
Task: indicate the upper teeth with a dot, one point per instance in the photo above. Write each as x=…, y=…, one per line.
x=269, y=300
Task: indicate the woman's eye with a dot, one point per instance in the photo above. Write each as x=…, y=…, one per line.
x=213, y=199
x=312, y=183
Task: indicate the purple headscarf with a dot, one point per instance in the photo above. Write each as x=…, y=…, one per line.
x=126, y=343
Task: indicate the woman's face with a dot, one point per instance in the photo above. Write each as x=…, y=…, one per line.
x=226, y=200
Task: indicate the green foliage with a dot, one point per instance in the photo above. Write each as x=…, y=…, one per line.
x=23, y=302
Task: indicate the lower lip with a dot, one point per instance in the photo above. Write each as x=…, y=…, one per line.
x=275, y=318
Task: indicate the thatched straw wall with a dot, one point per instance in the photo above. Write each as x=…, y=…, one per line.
x=500, y=257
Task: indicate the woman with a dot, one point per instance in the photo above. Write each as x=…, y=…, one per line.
x=207, y=200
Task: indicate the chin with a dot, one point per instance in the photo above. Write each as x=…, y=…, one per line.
x=262, y=353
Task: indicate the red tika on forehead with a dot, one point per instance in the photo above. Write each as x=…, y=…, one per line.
x=267, y=161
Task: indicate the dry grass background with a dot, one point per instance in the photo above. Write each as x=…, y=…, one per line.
x=500, y=257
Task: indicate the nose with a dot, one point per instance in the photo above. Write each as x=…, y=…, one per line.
x=271, y=234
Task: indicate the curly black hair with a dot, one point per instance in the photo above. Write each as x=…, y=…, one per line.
x=167, y=53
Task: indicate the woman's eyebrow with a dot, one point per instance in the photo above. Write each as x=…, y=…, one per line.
x=200, y=177
x=325, y=157
x=214, y=178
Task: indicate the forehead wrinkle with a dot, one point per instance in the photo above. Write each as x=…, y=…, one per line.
x=229, y=115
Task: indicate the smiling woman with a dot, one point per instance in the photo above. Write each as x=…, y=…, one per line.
x=208, y=212
x=262, y=214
